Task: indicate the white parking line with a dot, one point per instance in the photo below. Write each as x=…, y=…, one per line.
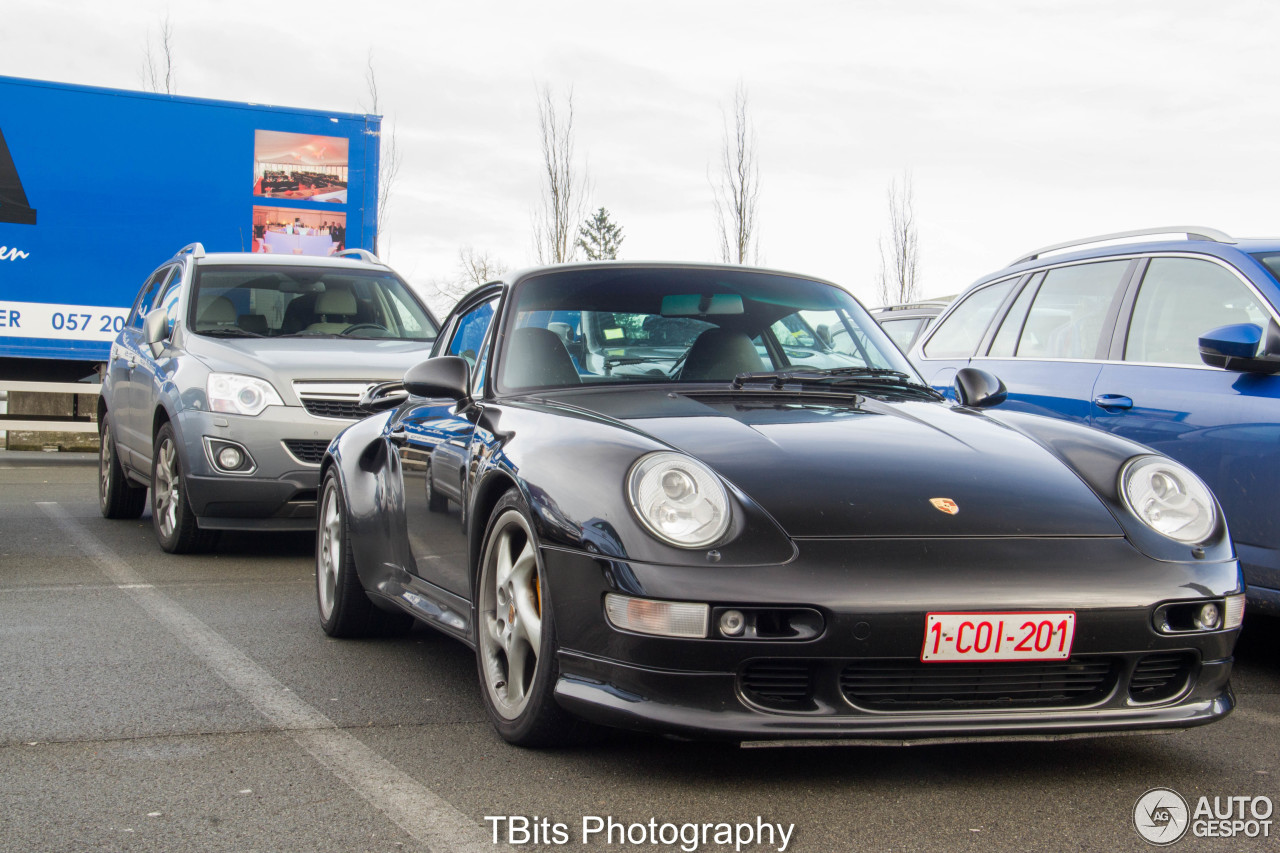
x=411, y=806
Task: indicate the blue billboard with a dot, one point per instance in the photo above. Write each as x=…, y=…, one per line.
x=98, y=187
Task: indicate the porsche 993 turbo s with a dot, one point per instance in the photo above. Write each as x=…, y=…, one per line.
x=718, y=502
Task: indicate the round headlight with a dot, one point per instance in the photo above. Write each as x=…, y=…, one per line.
x=1169, y=499
x=678, y=499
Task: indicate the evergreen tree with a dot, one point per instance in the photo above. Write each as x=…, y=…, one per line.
x=599, y=238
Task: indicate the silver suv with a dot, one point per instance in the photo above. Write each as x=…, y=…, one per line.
x=232, y=374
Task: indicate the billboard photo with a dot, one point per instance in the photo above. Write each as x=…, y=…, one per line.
x=291, y=231
x=300, y=166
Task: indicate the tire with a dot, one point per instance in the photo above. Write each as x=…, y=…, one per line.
x=345, y=608
x=117, y=496
x=175, y=524
x=436, y=502
x=515, y=634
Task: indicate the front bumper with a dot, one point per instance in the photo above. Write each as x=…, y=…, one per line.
x=873, y=596
x=280, y=493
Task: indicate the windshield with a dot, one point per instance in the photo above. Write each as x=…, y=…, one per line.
x=601, y=326
x=260, y=301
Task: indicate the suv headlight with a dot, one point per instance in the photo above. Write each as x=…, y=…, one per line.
x=240, y=395
x=678, y=499
x=1168, y=498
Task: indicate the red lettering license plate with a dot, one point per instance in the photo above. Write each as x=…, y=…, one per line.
x=998, y=636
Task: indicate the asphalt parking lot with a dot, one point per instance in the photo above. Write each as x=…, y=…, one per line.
x=153, y=702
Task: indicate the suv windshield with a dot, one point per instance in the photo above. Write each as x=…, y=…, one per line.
x=683, y=325
x=249, y=301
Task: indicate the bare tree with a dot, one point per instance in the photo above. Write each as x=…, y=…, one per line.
x=389, y=157
x=899, y=280
x=736, y=187
x=479, y=267
x=555, y=222
x=157, y=63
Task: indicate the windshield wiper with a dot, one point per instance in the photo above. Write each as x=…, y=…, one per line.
x=229, y=332
x=868, y=380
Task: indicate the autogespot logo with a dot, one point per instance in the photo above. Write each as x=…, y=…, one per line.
x=1161, y=816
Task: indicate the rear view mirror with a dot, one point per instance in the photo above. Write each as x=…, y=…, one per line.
x=978, y=389
x=156, y=328
x=1243, y=347
x=383, y=396
x=442, y=376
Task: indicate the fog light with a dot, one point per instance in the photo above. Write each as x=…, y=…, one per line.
x=1207, y=618
x=230, y=458
x=1234, y=612
x=661, y=618
x=732, y=623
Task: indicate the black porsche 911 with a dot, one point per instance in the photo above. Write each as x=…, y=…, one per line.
x=717, y=502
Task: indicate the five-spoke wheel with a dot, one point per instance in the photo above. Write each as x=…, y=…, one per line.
x=175, y=523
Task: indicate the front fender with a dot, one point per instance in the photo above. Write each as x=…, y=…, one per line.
x=366, y=468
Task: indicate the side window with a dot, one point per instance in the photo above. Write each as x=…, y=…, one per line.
x=468, y=335
x=961, y=332
x=168, y=299
x=1070, y=308
x=902, y=331
x=147, y=296
x=1006, y=340
x=1181, y=299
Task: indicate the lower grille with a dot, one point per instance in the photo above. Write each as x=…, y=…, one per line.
x=308, y=450
x=892, y=685
x=333, y=408
x=776, y=682
x=1159, y=677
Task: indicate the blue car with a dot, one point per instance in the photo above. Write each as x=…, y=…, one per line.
x=1173, y=343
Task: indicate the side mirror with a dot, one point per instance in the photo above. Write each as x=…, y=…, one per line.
x=1243, y=347
x=978, y=389
x=156, y=328
x=442, y=376
x=383, y=396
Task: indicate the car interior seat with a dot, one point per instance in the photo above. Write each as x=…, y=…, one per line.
x=337, y=311
x=537, y=358
x=221, y=312
x=720, y=355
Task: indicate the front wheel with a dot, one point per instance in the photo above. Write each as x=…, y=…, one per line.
x=515, y=634
x=175, y=524
x=345, y=608
x=117, y=497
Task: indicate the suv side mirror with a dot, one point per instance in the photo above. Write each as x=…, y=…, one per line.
x=442, y=376
x=156, y=328
x=978, y=389
x=1243, y=347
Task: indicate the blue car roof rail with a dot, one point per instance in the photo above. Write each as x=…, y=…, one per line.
x=196, y=250
x=1193, y=232
x=359, y=254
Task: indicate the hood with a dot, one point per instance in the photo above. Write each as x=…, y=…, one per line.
x=309, y=358
x=830, y=468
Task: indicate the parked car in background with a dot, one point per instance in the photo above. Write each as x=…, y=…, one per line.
x=1173, y=343
x=906, y=323
x=232, y=374
x=681, y=534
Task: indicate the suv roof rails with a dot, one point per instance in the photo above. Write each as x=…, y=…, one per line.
x=360, y=254
x=196, y=250
x=1193, y=232
x=919, y=303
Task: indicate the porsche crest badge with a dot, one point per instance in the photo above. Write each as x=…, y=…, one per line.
x=945, y=505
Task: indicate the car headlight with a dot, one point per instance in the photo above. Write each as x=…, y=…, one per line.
x=1168, y=498
x=240, y=395
x=678, y=499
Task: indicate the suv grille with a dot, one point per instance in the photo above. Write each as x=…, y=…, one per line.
x=1160, y=677
x=889, y=685
x=332, y=408
x=308, y=450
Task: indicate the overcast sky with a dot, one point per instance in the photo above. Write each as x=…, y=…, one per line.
x=1022, y=123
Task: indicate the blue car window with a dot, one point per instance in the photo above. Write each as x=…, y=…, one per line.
x=1181, y=299
x=1070, y=308
x=962, y=330
x=468, y=338
x=1006, y=340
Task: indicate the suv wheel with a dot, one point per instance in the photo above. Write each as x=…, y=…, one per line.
x=117, y=497
x=176, y=528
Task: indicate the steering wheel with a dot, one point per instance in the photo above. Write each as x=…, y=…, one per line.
x=358, y=326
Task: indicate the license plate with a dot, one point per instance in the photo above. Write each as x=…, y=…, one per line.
x=998, y=636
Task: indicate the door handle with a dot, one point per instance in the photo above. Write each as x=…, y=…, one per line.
x=398, y=437
x=1112, y=401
